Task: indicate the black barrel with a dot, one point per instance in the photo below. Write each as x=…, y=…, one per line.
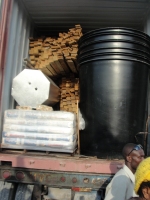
x=113, y=94
x=109, y=34
x=114, y=46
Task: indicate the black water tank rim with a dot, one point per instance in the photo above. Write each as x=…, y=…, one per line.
x=79, y=54
x=82, y=39
x=117, y=54
x=135, y=56
x=85, y=42
x=93, y=37
x=128, y=30
x=91, y=51
x=113, y=40
x=115, y=27
x=117, y=57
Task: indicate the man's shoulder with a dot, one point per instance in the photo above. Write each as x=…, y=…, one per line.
x=121, y=172
x=122, y=175
x=125, y=171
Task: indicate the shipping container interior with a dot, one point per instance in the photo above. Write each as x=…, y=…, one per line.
x=49, y=17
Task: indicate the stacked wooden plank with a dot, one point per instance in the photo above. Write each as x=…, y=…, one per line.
x=39, y=107
x=69, y=94
x=56, y=57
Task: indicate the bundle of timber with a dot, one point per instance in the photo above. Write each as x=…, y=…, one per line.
x=39, y=130
x=69, y=94
x=55, y=56
x=39, y=107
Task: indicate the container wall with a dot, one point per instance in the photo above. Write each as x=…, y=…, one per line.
x=1, y=1
x=18, y=41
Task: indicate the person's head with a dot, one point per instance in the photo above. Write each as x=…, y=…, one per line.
x=142, y=179
x=133, y=155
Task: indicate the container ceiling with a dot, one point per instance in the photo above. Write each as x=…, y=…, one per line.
x=54, y=16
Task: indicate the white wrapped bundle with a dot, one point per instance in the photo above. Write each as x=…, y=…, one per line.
x=38, y=143
x=39, y=129
x=34, y=114
x=40, y=136
x=40, y=122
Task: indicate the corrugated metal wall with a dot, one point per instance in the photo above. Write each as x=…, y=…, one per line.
x=0, y=7
x=18, y=41
x=54, y=16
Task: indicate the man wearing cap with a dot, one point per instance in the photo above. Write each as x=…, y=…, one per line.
x=121, y=186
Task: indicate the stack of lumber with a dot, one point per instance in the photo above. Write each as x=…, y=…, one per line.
x=39, y=107
x=56, y=57
x=69, y=94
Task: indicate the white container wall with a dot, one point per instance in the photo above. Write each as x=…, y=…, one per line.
x=1, y=6
x=18, y=43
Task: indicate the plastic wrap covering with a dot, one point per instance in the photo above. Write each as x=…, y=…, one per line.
x=20, y=143
x=39, y=130
x=42, y=122
x=39, y=136
x=33, y=114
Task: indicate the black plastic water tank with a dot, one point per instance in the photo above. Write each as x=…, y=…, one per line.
x=114, y=46
x=113, y=97
x=118, y=34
